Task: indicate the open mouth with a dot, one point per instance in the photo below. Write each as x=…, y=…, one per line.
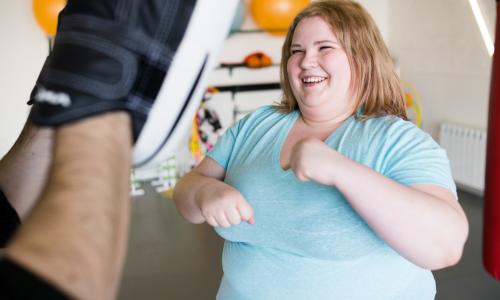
x=312, y=80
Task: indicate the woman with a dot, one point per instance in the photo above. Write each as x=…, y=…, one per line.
x=342, y=197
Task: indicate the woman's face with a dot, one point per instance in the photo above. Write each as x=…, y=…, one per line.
x=319, y=70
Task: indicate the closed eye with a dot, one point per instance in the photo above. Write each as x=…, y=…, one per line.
x=293, y=51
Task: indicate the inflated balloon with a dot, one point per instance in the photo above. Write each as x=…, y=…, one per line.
x=239, y=17
x=46, y=12
x=275, y=16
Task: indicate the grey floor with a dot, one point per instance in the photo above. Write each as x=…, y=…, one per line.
x=468, y=280
x=171, y=259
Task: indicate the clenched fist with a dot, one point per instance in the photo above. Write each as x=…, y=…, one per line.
x=223, y=205
x=312, y=159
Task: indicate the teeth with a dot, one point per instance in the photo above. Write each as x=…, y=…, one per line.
x=313, y=79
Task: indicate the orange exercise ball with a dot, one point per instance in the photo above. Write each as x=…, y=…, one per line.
x=271, y=15
x=46, y=12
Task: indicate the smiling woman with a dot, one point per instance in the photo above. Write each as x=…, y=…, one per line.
x=336, y=190
x=356, y=34
x=319, y=72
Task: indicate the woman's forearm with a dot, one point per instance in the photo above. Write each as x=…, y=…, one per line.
x=423, y=223
x=426, y=228
x=185, y=196
x=203, y=196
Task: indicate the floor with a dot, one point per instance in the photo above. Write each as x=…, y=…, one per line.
x=169, y=258
x=468, y=280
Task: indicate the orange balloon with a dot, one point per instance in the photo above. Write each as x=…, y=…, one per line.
x=271, y=15
x=46, y=12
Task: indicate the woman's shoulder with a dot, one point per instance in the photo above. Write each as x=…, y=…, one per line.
x=392, y=128
x=393, y=124
x=399, y=131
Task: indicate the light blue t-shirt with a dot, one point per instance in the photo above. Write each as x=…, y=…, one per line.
x=308, y=242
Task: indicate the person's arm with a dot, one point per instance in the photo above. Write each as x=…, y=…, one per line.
x=24, y=169
x=202, y=196
x=76, y=235
x=424, y=223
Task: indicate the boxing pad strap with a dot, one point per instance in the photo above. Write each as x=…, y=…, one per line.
x=90, y=64
x=84, y=74
x=134, y=40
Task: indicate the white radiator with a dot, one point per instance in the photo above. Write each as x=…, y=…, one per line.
x=466, y=149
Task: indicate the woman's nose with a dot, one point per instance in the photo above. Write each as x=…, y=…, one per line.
x=309, y=60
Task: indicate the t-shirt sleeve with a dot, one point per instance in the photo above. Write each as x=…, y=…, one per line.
x=221, y=152
x=413, y=157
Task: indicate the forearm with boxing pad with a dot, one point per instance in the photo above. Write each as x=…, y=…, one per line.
x=113, y=55
x=107, y=57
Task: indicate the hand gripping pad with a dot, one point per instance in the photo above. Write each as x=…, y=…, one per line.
x=149, y=57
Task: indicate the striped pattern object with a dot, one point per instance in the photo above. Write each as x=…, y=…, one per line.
x=466, y=149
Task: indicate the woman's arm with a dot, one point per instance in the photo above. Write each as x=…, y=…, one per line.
x=190, y=185
x=201, y=195
x=424, y=223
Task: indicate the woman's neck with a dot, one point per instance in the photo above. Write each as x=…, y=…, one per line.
x=319, y=122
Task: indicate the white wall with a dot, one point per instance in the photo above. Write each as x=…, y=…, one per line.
x=22, y=52
x=379, y=10
x=441, y=52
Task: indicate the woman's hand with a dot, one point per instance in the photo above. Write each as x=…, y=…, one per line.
x=222, y=205
x=311, y=160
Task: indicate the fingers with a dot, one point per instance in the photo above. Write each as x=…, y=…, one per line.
x=217, y=219
x=246, y=212
x=222, y=220
x=297, y=166
x=211, y=221
x=299, y=171
x=301, y=176
x=229, y=216
x=233, y=216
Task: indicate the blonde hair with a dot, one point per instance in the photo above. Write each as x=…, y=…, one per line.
x=377, y=86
